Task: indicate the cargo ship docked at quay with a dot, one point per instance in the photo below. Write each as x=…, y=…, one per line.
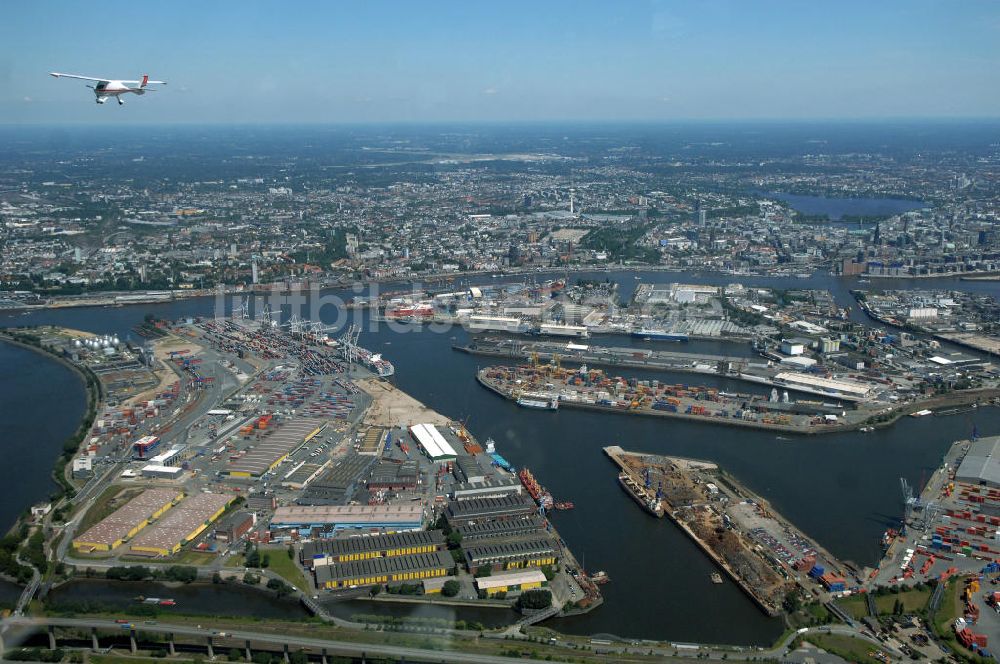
x=658, y=335
x=539, y=493
x=351, y=351
x=653, y=504
x=538, y=401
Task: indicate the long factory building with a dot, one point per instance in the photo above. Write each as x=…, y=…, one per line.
x=384, y=570
x=513, y=506
x=324, y=518
x=111, y=532
x=275, y=447
x=350, y=549
x=486, y=530
x=181, y=525
x=511, y=555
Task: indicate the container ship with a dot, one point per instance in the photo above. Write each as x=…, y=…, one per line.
x=659, y=335
x=374, y=361
x=351, y=351
x=538, y=401
x=651, y=504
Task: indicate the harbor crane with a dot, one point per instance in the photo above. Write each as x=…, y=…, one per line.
x=910, y=502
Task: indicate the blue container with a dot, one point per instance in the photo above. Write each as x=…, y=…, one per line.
x=817, y=571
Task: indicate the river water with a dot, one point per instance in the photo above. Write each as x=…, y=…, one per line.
x=842, y=489
x=41, y=404
x=225, y=599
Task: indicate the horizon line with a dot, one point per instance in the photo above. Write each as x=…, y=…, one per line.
x=519, y=122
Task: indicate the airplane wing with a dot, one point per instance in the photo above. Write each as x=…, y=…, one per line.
x=82, y=78
x=144, y=82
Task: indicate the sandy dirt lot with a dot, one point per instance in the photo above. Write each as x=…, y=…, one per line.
x=393, y=407
x=161, y=352
x=978, y=341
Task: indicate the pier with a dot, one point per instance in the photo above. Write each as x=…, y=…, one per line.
x=595, y=391
x=633, y=358
x=736, y=529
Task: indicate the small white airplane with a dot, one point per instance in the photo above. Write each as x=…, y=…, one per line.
x=106, y=87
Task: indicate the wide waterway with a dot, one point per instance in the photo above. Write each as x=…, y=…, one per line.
x=41, y=404
x=843, y=489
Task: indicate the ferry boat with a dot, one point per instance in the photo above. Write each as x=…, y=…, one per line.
x=659, y=335
x=538, y=401
x=600, y=577
x=639, y=495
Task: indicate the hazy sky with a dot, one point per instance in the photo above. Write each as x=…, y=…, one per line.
x=504, y=60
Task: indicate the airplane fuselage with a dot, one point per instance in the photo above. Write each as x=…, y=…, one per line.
x=115, y=89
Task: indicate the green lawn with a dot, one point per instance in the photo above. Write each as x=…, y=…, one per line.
x=192, y=558
x=948, y=610
x=850, y=648
x=913, y=601
x=287, y=568
x=855, y=605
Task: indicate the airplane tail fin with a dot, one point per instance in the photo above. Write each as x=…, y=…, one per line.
x=145, y=80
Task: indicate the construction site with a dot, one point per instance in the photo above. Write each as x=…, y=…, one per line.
x=761, y=552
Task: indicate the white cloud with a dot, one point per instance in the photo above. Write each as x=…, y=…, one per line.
x=490, y=91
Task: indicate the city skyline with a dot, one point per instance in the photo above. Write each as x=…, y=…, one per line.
x=393, y=62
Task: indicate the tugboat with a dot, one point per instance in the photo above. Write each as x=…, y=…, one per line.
x=888, y=537
x=564, y=505
x=600, y=577
x=716, y=577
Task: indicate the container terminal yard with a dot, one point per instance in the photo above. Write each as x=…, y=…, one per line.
x=760, y=551
x=274, y=436
x=552, y=387
x=950, y=537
